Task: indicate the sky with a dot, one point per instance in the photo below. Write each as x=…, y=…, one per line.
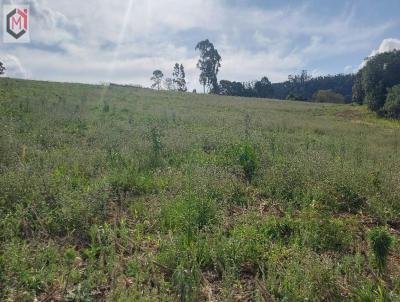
x=123, y=41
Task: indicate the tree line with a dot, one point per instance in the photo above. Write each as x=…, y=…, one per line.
x=300, y=87
x=177, y=82
x=377, y=84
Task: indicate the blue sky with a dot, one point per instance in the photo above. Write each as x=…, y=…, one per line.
x=123, y=41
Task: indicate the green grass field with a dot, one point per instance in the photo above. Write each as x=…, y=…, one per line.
x=128, y=194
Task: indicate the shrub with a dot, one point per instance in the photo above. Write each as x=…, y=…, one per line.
x=343, y=199
x=328, y=96
x=188, y=215
x=130, y=181
x=295, y=97
x=247, y=244
x=157, y=147
x=247, y=159
x=186, y=281
x=280, y=230
x=298, y=274
x=184, y=261
x=239, y=197
x=106, y=107
x=244, y=247
x=374, y=291
x=322, y=233
x=380, y=242
x=392, y=105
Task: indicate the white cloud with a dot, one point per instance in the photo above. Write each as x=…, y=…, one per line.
x=14, y=66
x=386, y=45
x=98, y=41
x=348, y=69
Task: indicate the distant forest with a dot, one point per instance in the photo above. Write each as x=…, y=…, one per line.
x=377, y=84
x=305, y=89
x=300, y=87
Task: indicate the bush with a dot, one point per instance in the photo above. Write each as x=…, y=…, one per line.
x=323, y=233
x=106, y=107
x=130, y=181
x=184, y=261
x=392, y=105
x=239, y=197
x=247, y=159
x=380, y=73
x=247, y=244
x=295, y=97
x=328, y=96
x=298, y=274
x=342, y=199
x=243, y=248
x=188, y=215
x=380, y=242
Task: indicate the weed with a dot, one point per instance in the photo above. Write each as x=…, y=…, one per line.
x=381, y=242
x=247, y=159
x=159, y=196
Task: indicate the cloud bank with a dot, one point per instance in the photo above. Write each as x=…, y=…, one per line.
x=386, y=46
x=125, y=40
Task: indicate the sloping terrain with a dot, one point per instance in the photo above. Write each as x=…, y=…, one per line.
x=126, y=194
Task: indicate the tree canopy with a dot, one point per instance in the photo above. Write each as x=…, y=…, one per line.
x=261, y=89
x=209, y=64
x=302, y=87
x=2, y=68
x=179, y=77
x=157, y=79
x=379, y=74
x=392, y=105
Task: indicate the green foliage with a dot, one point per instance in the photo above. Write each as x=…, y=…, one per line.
x=302, y=87
x=328, y=96
x=156, y=143
x=358, y=93
x=189, y=215
x=379, y=74
x=260, y=89
x=392, y=105
x=239, y=197
x=246, y=157
x=244, y=248
x=187, y=280
x=322, y=233
x=341, y=198
x=131, y=181
x=179, y=80
x=381, y=242
x=209, y=64
x=106, y=107
x=299, y=274
x=374, y=291
x=157, y=79
x=263, y=88
x=294, y=97
x=184, y=197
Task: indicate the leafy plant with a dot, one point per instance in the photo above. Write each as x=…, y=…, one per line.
x=381, y=242
x=247, y=159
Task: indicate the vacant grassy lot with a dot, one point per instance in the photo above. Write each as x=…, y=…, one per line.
x=126, y=194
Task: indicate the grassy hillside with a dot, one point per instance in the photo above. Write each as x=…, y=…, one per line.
x=126, y=194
